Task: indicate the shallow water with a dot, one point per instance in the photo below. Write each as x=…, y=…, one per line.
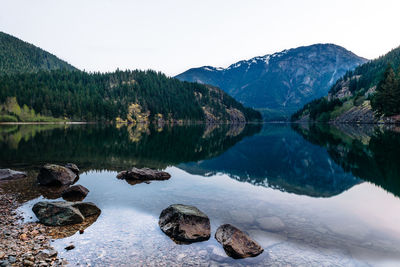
x=309, y=196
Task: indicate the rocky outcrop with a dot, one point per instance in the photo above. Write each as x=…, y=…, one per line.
x=59, y=213
x=144, y=174
x=7, y=174
x=184, y=223
x=72, y=167
x=75, y=193
x=52, y=174
x=236, y=243
x=358, y=114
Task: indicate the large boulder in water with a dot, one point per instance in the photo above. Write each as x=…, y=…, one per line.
x=52, y=174
x=144, y=174
x=236, y=243
x=75, y=193
x=184, y=223
x=7, y=174
x=59, y=213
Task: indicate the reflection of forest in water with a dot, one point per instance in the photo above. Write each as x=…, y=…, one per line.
x=369, y=152
x=113, y=148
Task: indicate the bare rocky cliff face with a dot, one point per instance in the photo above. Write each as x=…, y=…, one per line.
x=283, y=81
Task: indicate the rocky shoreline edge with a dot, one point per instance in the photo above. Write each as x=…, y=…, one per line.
x=24, y=244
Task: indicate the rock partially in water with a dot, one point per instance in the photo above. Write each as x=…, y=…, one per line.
x=57, y=213
x=7, y=174
x=184, y=223
x=72, y=167
x=52, y=174
x=236, y=243
x=60, y=213
x=144, y=174
x=75, y=193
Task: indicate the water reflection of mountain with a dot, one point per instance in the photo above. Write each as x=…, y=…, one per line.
x=280, y=158
x=367, y=151
x=108, y=147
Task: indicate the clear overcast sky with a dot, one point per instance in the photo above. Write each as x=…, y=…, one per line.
x=174, y=35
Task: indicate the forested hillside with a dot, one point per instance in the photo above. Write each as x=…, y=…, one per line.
x=370, y=93
x=122, y=95
x=17, y=56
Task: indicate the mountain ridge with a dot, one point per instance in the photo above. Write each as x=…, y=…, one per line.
x=282, y=81
x=18, y=56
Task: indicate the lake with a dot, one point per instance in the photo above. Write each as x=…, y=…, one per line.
x=319, y=195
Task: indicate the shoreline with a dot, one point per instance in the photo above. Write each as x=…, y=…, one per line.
x=23, y=244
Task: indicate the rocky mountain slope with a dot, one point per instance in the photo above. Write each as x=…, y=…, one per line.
x=349, y=99
x=17, y=56
x=280, y=83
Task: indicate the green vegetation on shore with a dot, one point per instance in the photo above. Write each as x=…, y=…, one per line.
x=10, y=111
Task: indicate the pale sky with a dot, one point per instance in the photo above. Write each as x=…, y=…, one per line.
x=174, y=35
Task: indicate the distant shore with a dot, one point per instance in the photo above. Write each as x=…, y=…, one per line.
x=56, y=122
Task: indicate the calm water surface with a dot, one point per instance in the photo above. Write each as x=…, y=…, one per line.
x=311, y=196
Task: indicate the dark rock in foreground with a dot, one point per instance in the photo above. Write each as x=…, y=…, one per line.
x=57, y=213
x=60, y=213
x=75, y=193
x=7, y=174
x=144, y=174
x=52, y=174
x=185, y=223
x=236, y=243
x=72, y=167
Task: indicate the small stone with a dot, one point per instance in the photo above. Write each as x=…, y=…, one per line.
x=2, y=254
x=12, y=259
x=271, y=223
x=70, y=247
x=28, y=263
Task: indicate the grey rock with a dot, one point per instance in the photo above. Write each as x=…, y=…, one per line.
x=57, y=213
x=271, y=223
x=236, y=243
x=184, y=223
x=144, y=174
x=8, y=174
x=52, y=174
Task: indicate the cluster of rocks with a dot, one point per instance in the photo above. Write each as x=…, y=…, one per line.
x=61, y=213
x=23, y=245
x=187, y=224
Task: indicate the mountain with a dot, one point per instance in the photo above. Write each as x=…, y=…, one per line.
x=45, y=87
x=280, y=83
x=17, y=56
x=369, y=94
